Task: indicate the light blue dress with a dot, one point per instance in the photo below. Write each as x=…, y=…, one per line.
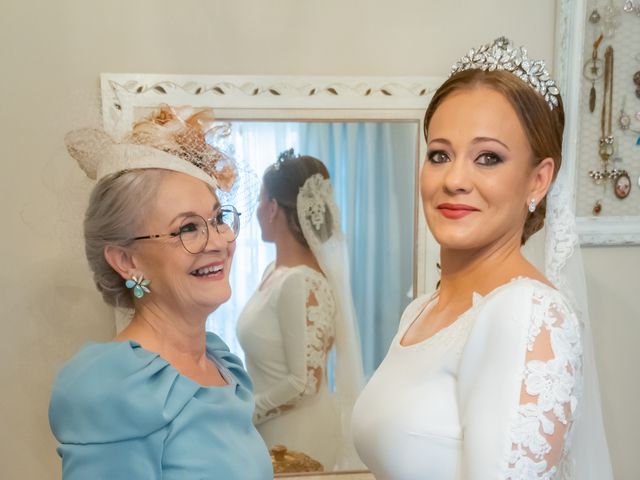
x=122, y=412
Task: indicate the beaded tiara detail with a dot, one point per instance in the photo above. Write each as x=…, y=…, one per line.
x=502, y=55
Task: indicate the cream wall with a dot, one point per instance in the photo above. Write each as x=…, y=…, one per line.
x=614, y=291
x=52, y=54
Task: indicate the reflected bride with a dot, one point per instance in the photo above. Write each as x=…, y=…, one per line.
x=302, y=308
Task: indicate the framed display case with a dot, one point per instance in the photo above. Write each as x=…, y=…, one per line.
x=598, y=64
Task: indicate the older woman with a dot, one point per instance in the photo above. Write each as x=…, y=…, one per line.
x=164, y=399
x=301, y=309
x=484, y=379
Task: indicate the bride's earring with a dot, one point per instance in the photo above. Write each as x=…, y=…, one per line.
x=532, y=205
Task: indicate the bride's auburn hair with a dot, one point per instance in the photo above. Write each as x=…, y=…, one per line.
x=542, y=126
x=283, y=180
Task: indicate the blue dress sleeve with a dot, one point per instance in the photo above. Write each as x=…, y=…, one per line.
x=138, y=458
x=110, y=408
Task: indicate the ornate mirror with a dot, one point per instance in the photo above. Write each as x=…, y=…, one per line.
x=367, y=130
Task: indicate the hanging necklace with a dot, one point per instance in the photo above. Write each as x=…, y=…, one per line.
x=624, y=120
x=592, y=71
x=606, y=138
x=606, y=145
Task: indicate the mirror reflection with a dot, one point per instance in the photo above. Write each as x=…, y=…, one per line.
x=301, y=311
x=295, y=286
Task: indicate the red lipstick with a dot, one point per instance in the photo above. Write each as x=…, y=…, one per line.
x=455, y=211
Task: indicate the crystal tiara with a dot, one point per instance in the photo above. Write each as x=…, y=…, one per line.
x=502, y=55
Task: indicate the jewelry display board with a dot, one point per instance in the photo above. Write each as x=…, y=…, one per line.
x=607, y=144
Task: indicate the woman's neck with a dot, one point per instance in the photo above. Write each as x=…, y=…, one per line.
x=466, y=271
x=290, y=252
x=170, y=334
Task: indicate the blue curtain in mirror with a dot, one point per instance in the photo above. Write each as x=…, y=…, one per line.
x=372, y=166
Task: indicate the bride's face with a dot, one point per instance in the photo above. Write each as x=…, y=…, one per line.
x=478, y=175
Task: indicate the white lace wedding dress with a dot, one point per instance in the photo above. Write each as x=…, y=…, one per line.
x=286, y=330
x=492, y=396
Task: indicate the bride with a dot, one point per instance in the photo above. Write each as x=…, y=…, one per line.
x=302, y=308
x=491, y=376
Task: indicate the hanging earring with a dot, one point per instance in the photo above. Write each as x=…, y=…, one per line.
x=532, y=205
x=597, y=208
x=139, y=284
x=593, y=71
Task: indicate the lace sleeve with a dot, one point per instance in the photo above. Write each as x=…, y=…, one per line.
x=518, y=385
x=306, y=313
x=549, y=391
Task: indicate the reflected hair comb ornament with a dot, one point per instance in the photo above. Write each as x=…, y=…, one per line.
x=284, y=156
x=502, y=55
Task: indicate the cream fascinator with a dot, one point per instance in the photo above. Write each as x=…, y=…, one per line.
x=178, y=139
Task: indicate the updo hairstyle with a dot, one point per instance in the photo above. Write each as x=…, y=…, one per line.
x=282, y=182
x=542, y=126
x=117, y=208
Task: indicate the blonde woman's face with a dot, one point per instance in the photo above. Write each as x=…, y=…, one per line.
x=477, y=178
x=179, y=279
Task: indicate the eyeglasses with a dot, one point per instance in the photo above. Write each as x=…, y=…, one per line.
x=194, y=230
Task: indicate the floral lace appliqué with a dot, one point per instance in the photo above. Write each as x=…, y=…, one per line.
x=320, y=335
x=551, y=383
x=320, y=332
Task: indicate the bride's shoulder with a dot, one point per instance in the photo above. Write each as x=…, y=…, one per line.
x=523, y=286
x=275, y=278
x=523, y=295
x=296, y=281
x=303, y=277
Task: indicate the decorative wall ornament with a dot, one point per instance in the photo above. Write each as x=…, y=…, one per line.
x=122, y=92
x=622, y=186
x=592, y=71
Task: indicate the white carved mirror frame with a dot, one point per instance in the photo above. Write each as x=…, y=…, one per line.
x=288, y=98
x=295, y=99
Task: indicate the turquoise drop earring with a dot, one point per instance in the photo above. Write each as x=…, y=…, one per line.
x=140, y=285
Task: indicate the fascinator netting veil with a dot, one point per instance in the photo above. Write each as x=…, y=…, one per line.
x=320, y=222
x=564, y=268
